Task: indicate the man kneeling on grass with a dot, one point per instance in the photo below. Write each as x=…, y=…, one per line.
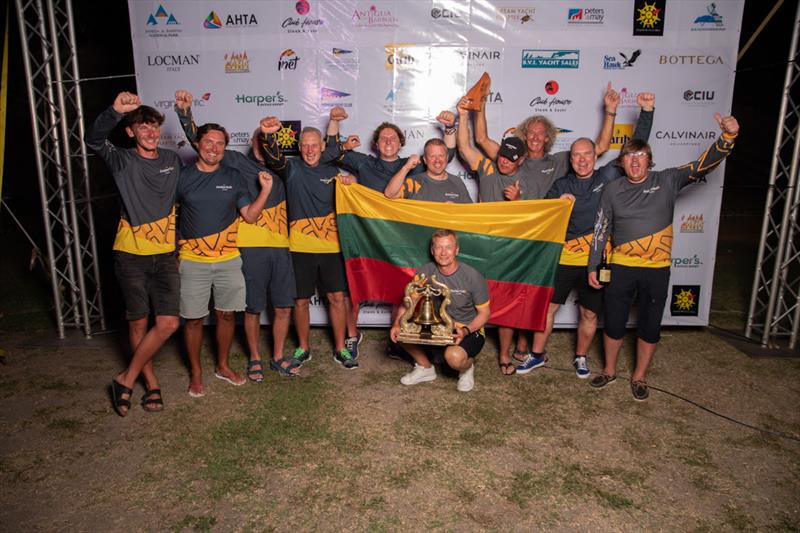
x=469, y=309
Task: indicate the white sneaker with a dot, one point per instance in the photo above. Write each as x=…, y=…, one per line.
x=466, y=379
x=420, y=374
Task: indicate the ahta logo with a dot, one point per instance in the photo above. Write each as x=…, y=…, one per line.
x=212, y=21
x=551, y=87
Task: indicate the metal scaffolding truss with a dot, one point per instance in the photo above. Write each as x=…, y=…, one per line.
x=51, y=68
x=774, y=311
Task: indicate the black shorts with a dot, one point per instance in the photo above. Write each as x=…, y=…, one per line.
x=325, y=271
x=650, y=286
x=267, y=270
x=146, y=280
x=569, y=277
x=472, y=344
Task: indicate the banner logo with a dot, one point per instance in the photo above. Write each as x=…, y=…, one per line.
x=692, y=223
x=622, y=134
x=239, y=20
x=516, y=15
x=288, y=60
x=162, y=23
x=374, y=17
x=399, y=56
x=648, y=17
x=288, y=137
x=237, y=63
x=685, y=300
x=161, y=16
x=621, y=60
x=550, y=58
x=262, y=100
x=333, y=98
x=580, y=16
x=711, y=21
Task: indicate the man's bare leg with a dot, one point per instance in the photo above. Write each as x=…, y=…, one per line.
x=587, y=327
x=302, y=321
x=226, y=322
x=540, y=338
x=337, y=311
x=644, y=354
x=611, y=348
x=280, y=329
x=193, y=337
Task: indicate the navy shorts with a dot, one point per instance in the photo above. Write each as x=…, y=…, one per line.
x=146, y=280
x=569, y=277
x=325, y=271
x=267, y=271
x=472, y=344
x=649, y=286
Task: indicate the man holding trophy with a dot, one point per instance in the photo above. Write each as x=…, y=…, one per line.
x=445, y=308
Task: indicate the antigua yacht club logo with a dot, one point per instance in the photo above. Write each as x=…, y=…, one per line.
x=648, y=17
x=685, y=300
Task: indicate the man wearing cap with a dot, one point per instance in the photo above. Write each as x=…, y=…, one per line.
x=497, y=182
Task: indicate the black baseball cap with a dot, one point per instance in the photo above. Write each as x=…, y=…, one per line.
x=512, y=148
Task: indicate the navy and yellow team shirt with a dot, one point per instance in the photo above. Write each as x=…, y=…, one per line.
x=209, y=213
x=146, y=187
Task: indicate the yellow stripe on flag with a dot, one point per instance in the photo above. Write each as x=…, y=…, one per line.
x=536, y=220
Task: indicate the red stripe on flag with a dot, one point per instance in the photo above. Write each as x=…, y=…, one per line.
x=519, y=305
x=373, y=279
x=515, y=305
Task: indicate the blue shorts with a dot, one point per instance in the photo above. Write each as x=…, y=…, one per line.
x=267, y=271
x=649, y=286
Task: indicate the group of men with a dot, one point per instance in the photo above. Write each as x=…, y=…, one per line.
x=264, y=225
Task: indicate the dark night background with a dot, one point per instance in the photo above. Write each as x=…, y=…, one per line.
x=104, y=48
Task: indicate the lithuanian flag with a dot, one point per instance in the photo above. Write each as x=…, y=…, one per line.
x=515, y=245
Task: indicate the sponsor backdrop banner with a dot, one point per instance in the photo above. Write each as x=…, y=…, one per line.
x=405, y=61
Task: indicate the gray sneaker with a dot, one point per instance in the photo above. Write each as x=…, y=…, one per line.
x=301, y=356
x=345, y=358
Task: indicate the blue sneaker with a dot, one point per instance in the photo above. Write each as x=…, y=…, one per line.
x=352, y=343
x=531, y=361
x=581, y=368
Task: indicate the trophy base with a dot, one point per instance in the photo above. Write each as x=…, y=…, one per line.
x=430, y=340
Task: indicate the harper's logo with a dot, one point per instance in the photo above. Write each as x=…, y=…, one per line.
x=262, y=100
x=687, y=262
x=690, y=60
x=648, y=17
x=710, y=21
x=621, y=60
x=685, y=300
x=237, y=63
x=550, y=58
x=288, y=60
x=173, y=62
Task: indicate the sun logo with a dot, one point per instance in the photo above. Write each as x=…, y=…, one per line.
x=648, y=15
x=287, y=137
x=684, y=300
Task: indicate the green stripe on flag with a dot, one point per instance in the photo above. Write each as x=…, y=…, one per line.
x=404, y=244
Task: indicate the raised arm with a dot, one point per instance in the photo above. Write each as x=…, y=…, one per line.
x=96, y=137
x=273, y=156
x=647, y=103
x=489, y=147
x=610, y=103
x=394, y=189
x=252, y=211
x=183, y=108
x=469, y=153
x=713, y=155
x=448, y=120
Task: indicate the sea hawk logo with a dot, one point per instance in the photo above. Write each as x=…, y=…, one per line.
x=632, y=60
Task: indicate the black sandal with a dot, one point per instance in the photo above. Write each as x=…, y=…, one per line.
x=505, y=366
x=147, y=400
x=255, y=374
x=117, y=390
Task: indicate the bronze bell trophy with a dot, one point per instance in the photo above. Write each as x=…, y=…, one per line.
x=421, y=323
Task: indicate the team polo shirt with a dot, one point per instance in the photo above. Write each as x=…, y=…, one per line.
x=468, y=290
x=637, y=217
x=209, y=213
x=491, y=182
x=422, y=187
x=146, y=187
x=310, y=196
x=271, y=230
x=536, y=175
x=376, y=173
